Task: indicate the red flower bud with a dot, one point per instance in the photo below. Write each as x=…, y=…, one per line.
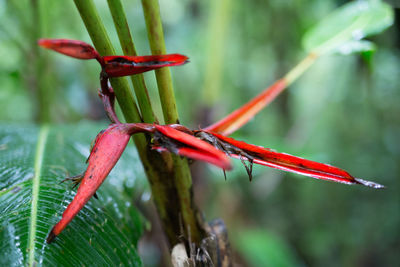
x=108, y=147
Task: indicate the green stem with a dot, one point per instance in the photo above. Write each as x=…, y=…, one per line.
x=182, y=177
x=155, y=34
x=300, y=68
x=37, y=79
x=103, y=45
x=215, y=49
x=128, y=47
x=159, y=168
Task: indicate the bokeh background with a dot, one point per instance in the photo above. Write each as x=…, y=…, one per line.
x=344, y=111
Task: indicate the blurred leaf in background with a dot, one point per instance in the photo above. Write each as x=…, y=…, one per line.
x=261, y=248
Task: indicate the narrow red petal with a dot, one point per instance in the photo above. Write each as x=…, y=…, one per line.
x=242, y=115
x=286, y=162
x=72, y=48
x=185, y=138
x=117, y=66
x=222, y=162
x=204, y=149
x=191, y=153
x=108, y=148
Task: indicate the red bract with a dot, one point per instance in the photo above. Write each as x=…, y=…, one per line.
x=286, y=162
x=113, y=66
x=72, y=48
x=218, y=160
x=242, y=115
x=105, y=153
x=116, y=66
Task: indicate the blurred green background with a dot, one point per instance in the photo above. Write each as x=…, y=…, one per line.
x=344, y=111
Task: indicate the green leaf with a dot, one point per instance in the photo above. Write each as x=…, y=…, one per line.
x=33, y=161
x=349, y=23
x=356, y=47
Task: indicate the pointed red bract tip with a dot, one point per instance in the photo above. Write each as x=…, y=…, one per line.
x=222, y=162
x=116, y=66
x=369, y=183
x=72, y=48
x=108, y=147
x=50, y=238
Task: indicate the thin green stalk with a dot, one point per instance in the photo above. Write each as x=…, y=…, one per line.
x=155, y=34
x=182, y=177
x=159, y=168
x=215, y=49
x=300, y=68
x=103, y=45
x=37, y=80
x=128, y=47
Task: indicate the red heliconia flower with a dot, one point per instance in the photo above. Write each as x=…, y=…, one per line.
x=209, y=145
x=201, y=145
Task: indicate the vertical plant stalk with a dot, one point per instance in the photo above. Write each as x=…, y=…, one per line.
x=300, y=68
x=215, y=49
x=128, y=47
x=182, y=177
x=44, y=96
x=103, y=45
x=159, y=168
x=155, y=34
